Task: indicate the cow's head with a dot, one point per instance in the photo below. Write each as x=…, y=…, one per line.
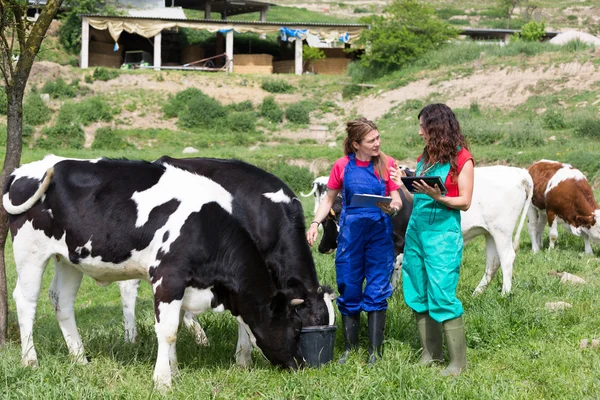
x=317, y=308
x=278, y=336
x=594, y=226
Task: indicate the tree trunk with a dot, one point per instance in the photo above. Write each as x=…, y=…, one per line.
x=11, y=161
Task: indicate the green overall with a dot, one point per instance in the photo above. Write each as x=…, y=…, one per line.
x=432, y=254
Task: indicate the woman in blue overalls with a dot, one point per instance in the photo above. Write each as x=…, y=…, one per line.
x=365, y=242
x=434, y=243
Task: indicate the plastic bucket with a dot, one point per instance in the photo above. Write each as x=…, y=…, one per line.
x=317, y=343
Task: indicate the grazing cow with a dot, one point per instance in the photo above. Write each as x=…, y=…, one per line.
x=118, y=219
x=501, y=198
x=563, y=195
x=319, y=188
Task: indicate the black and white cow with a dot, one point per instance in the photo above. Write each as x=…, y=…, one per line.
x=319, y=188
x=119, y=219
x=501, y=197
x=272, y=214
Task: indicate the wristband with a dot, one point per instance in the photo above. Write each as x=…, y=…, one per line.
x=316, y=222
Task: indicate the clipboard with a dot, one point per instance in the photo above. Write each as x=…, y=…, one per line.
x=430, y=180
x=369, y=200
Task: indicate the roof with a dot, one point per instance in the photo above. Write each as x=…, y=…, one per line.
x=226, y=7
x=484, y=33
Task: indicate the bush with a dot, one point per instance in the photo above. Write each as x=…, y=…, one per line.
x=59, y=89
x=107, y=139
x=277, y=86
x=270, y=110
x=85, y=112
x=3, y=101
x=588, y=128
x=245, y=105
x=350, y=91
x=202, y=111
x=35, y=111
x=523, y=135
x=243, y=122
x=553, y=120
x=474, y=108
x=481, y=132
x=70, y=27
x=299, y=113
x=61, y=137
x=105, y=74
x=533, y=31
x=297, y=178
x=177, y=103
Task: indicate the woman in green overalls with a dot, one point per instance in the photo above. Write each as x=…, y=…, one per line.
x=434, y=242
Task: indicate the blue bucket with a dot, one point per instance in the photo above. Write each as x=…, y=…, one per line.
x=317, y=344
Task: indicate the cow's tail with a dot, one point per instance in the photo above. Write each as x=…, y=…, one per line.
x=528, y=183
x=21, y=208
x=314, y=188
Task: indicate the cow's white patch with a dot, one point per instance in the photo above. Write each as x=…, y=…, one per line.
x=156, y=284
x=562, y=175
x=197, y=300
x=278, y=197
x=49, y=211
x=219, y=308
x=251, y=336
x=87, y=246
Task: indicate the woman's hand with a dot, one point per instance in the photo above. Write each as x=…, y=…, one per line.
x=312, y=233
x=423, y=188
x=397, y=173
x=392, y=208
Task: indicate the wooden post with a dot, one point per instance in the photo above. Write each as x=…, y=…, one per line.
x=229, y=50
x=85, y=43
x=298, y=57
x=263, y=18
x=207, y=10
x=157, y=51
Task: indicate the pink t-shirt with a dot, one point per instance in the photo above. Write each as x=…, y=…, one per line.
x=336, y=178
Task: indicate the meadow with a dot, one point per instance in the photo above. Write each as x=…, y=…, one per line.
x=517, y=349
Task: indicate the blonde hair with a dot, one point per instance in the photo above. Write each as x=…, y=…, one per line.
x=357, y=130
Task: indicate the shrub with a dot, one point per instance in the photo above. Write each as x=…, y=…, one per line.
x=553, y=120
x=299, y=113
x=177, y=103
x=202, y=111
x=360, y=10
x=3, y=134
x=533, y=31
x=3, y=101
x=35, y=111
x=277, y=86
x=61, y=137
x=481, y=132
x=59, y=89
x=107, y=139
x=105, y=74
x=242, y=121
x=297, y=178
x=523, y=135
x=245, y=105
x=474, y=108
x=270, y=110
x=85, y=112
x=588, y=128
x=350, y=91
x=27, y=134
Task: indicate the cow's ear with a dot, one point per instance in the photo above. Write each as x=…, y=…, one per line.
x=585, y=220
x=298, y=287
x=279, y=303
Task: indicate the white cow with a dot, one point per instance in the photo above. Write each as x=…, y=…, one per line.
x=319, y=188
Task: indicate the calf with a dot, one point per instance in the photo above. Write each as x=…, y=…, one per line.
x=119, y=219
x=563, y=195
x=319, y=188
x=501, y=198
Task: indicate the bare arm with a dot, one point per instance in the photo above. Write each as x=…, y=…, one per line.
x=322, y=211
x=465, y=189
x=396, y=174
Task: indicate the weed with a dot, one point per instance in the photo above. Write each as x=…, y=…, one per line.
x=35, y=111
x=277, y=86
x=105, y=74
x=61, y=137
x=350, y=91
x=107, y=139
x=553, y=120
x=59, y=89
x=587, y=128
x=524, y=134
x=202, y=111
x=85, y=112
x=270, y=110
x=299, y=113
x=242, y=121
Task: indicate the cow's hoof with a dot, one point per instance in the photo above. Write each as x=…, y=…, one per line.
x=31, y=363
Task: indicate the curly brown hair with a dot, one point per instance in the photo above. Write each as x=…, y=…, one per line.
x=445, y=137
x=357, y=130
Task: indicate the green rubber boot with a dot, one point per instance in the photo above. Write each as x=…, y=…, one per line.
x=376, y=328
x=351, y=326
x=430, y=333
x=457, y=347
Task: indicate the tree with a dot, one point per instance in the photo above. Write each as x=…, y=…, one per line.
x=20, y=41
x=405, y=31
x=508, y=7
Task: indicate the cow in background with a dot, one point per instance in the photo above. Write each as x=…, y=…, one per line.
x=319, y=189
x=563, y=195
x=501, y=198
x=118, y=219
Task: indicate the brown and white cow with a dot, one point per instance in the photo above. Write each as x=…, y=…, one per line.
x=563, y=195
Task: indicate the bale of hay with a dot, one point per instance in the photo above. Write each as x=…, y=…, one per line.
x=105, y=60
x=191, y=53
x=253, y=59
x=329, y=66
x=284, y=67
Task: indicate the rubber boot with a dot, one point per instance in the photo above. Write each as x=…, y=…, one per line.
x=351, y=326
x=376, y=328
x=457, y=346
x=430, y=333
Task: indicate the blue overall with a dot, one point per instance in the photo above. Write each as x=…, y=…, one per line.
x=365, y=245
x=432, y=255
